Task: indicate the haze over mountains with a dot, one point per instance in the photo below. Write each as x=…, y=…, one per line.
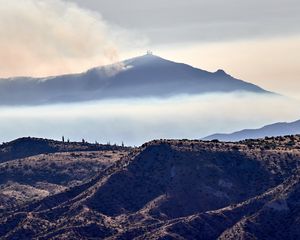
x=272, y=130
x=140, y=77
x=135, y=101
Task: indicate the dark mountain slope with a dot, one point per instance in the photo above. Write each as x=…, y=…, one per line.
x=166, y=171
x=272, y=215
x=273, y=130
x=145, y=76
x=29, y=179
x=173, y=190
x=28, y=146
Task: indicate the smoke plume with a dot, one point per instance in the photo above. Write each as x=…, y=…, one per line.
x=49, y=37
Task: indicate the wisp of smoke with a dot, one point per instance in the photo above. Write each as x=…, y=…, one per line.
x=50, y=37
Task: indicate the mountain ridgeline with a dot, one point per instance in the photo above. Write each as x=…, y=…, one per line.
x=28, y=146
x=272, y=130
x=140, y=77
x=165, y=189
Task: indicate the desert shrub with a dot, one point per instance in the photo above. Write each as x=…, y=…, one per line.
x=235, y=148
x=53, y=165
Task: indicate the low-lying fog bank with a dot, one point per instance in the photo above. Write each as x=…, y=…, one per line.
x=135, y=121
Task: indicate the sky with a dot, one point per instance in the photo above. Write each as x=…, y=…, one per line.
x=257, y=41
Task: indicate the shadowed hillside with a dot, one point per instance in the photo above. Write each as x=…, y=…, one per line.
x=27, y=146
x=172, y=189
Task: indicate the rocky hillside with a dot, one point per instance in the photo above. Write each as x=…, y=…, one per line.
x=166, y=189
x=28, y=146
x=33, y=168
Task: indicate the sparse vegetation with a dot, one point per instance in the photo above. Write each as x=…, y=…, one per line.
x=190, y=189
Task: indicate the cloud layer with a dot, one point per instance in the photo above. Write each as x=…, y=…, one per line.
x=137, y=121
x=43, y=37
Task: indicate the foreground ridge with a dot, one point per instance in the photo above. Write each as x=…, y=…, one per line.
x=165, y=189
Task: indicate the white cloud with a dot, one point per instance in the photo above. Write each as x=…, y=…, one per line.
x=135, y=122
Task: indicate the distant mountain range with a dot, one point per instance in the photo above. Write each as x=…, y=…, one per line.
x=145, y=76
x=276, y=129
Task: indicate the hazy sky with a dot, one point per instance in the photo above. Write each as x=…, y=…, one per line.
x=257, y=40
x=174, y=21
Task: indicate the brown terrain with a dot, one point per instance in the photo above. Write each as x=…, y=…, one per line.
x=165, y=189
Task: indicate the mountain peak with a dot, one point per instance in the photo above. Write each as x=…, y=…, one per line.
x=146, y=60
x=145, y=76
x=221, y=72
x=148, y=56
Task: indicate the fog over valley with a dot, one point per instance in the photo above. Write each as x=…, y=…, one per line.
x=135, y=121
